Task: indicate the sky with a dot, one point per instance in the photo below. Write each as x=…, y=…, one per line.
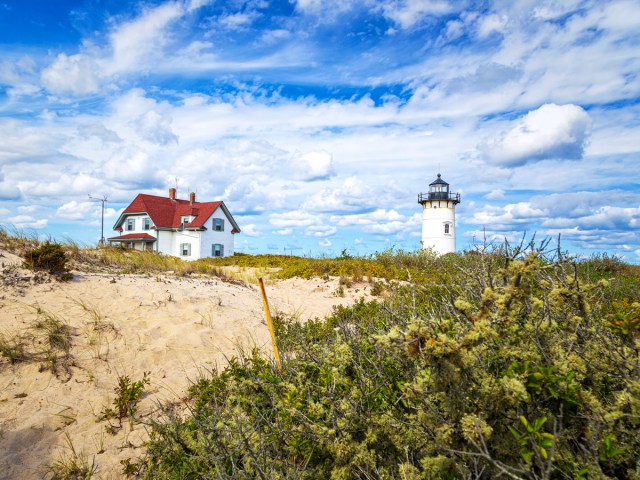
x=318, y=122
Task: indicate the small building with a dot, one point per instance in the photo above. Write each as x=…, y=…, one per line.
x=439, y=217
x=181, y=228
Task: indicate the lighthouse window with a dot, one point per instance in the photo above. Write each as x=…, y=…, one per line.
x=446, y=228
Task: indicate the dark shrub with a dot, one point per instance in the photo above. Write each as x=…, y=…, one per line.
x=50, y=257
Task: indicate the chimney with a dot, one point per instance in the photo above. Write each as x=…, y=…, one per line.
x=172, y=193
x=192, y=198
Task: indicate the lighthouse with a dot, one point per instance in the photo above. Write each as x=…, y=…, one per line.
x=439, y=217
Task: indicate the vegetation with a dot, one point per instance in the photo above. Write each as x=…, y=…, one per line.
x=50, y=257
x=47, y=341
x=514, y=364
x=71, y=465
x=128, y=396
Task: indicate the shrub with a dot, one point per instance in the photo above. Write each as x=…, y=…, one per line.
x=516, y=367
x=128, y=396
x=50, y=257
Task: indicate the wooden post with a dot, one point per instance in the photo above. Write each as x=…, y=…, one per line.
x=270, y=323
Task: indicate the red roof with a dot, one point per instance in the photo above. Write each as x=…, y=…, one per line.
x=167, y=213
x=133, y=236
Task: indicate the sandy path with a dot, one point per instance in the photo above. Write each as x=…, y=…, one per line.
x=175, y=328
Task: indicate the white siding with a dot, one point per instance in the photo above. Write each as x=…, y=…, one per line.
x=190, y=237
x=138, y=227
x=168, y=242
x=435, y=215
x=164, y=242
x=210, y=237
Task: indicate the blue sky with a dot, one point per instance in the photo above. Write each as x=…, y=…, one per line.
x=318, y=122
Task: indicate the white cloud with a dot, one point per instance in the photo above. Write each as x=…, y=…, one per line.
x=351, y=196
x=27, y=209
x=315, y=166
x=75, y=210
x=284, y=231
x=325, y=242
x=9, y=191
x=491, y=23
x=294, y=218
x=320, y=230
x=495, y=194
x=133, y=46
x=385, y=228
x=26, y=221
x=76, y=74
x=156, y=128
x=550, y=132
x=406, y=13
x=250, y=230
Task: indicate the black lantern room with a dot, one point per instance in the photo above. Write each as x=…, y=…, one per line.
x=439, y=190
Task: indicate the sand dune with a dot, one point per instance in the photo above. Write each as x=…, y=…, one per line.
x=175, y=328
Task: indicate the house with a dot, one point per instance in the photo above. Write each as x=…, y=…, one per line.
x=182, y=228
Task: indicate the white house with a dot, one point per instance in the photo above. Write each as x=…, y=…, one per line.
x=182, y=228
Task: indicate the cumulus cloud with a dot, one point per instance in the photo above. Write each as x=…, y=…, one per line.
x=353, y=195
x=156, y=128
x=76, y=74
x=315, y=166
x=550, y=132
x=587, y=219
x=27, y=221
x=294, y=218
x=250, y=230
x=75, y=210
x=9, y=191
x=320, y=230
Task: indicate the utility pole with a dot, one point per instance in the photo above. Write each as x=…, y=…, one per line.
x=103, y=200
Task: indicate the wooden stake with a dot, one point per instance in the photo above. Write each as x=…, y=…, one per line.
x=270, y=323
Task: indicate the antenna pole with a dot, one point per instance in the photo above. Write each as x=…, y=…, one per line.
x=103, y=200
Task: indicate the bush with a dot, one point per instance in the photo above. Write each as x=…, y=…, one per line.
x=50, y=257
x=517, y=367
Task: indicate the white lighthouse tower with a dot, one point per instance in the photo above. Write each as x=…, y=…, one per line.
x=439, y=217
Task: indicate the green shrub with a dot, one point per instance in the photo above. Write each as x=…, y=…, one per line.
x=128, y=396
x=50, y=257
x=517, y=367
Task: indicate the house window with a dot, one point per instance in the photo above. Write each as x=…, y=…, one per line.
x=218, y=250
x=185, y=249
x=185, y=220
x=446, y=228
x=131, y=224
x=146, y=223
x=218, y=225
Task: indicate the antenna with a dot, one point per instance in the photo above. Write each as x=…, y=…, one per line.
x=103, y=200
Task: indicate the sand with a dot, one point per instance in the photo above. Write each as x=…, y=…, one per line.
x=175, y=328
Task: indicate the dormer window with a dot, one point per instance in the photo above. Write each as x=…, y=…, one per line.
x=146, y=223
x=131, y=224
x=218, y=225
x=185, y=221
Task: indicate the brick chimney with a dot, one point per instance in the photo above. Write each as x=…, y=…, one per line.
x=192, y=198
x=172, y=193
